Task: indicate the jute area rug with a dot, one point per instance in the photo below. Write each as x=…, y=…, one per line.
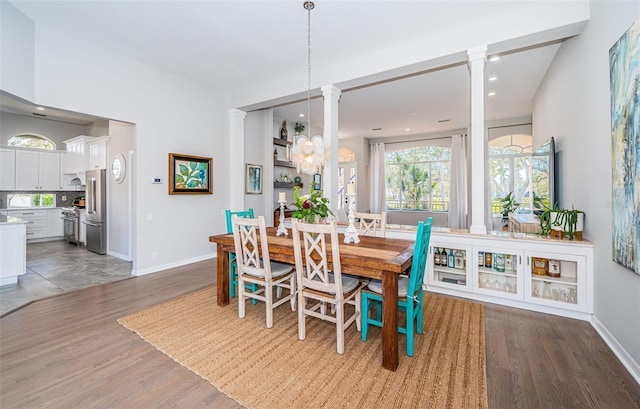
x=271, y=368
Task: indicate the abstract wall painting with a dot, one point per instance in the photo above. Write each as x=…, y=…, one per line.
x=190, y=174
x=624, y=66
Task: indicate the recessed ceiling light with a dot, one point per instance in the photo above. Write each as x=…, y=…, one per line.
x=301, y=115
x=493, y=78
x=492, y=93
x=40, y=108
x=494, y=58
x=407, y=129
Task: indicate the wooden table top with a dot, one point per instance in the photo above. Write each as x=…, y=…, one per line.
x=366, y=259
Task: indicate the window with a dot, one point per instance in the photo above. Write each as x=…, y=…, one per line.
x=32, y=141
x=509, y=166
x=418, y=178
x=31, y=200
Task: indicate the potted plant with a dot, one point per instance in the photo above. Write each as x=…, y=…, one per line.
x=509, y=204
x=572, y=222
x=548, y=221
x=299, y=128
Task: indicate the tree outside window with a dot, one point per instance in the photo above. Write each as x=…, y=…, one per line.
x=418, y=179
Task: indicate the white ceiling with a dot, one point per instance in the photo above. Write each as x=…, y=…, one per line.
x=231, y=43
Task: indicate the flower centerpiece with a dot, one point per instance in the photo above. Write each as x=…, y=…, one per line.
x=311, y=207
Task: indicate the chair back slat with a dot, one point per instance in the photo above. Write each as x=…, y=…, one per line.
x=241, y=213
x=250, y=237
x=313, y=250
x=420, y=252
x=372, y=224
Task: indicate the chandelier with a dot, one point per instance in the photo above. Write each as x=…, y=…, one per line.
x=308, y=152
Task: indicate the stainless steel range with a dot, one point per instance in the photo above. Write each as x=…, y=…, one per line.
x=71, y=217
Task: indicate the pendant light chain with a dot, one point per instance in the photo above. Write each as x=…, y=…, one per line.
x=309, y=6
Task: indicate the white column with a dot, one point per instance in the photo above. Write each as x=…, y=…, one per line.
x=236, y=159
x=476, y=62
x=331, y=96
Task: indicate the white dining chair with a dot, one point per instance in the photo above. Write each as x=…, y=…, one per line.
x=371, y=224
x=255, y=267
x=321, y=282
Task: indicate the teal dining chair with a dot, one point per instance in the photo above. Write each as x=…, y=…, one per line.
x=409, y=292
x=233, y=266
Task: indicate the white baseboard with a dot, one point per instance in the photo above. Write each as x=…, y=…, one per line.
x=167, y=266
x=120, y=256
x=618, y=350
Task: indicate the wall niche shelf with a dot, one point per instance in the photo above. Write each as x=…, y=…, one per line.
x=286, y=185
x=283, y=163
x=281, y=142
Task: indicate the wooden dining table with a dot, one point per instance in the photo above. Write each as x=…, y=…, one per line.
x=374, y=257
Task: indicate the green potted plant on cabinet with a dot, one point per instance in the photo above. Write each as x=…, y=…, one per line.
x=509, y=204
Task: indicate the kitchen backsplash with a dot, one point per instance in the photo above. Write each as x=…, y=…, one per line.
x=70, y=196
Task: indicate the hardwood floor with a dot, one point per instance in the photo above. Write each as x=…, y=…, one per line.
x=69, y=351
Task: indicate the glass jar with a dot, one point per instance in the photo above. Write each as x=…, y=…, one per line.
x=488, y=260
x=499, y=262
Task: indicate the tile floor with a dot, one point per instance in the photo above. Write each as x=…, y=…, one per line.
x=56, y=267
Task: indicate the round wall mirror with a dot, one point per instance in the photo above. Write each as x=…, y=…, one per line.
x=118, y=168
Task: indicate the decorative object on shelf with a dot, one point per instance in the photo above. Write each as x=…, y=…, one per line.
x=253, y=179
x=625, y=135
x=499, y=263
x=299, y=128
x=351, y=234
x=308, y=154
x=297, y=179
x=459, y=260
x=562, y=223
x=282, y=199
x=317, y=181
x=190, y=174
x=540, y=266
x=284, y=178
x=284, y=134
x=488, y=263
x=554, y=268
x=275, y=154
x=310, y=208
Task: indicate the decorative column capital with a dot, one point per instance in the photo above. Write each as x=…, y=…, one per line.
x=331, y=91
x=477, y=53
x=236, y=113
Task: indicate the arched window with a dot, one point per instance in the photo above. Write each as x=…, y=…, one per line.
x=32, y=141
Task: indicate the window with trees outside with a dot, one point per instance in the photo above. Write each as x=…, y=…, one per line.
x=417, y=178
x=32, y=141
x=510, y=169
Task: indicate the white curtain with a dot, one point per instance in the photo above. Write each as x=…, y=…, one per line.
x=377, y=194
x=458, y=183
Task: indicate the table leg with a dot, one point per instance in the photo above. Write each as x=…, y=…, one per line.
x=223, y=277
x=390, y=320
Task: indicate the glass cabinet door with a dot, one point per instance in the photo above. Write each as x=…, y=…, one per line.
x=556, y=280
x=498, y=272
x=449, y=266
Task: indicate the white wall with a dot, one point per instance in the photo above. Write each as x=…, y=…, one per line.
x=120, y=211
x=171, y=115
x=13, y=124
x=17, y=42
x=257, y=146
x=573, y=105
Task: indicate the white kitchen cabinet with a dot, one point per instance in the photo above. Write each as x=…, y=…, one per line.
x=36, y=170
x=12, y=252
x=37, y=221
x=77, y=158
x=55, y=224
x=7, y=169
x=98, y=153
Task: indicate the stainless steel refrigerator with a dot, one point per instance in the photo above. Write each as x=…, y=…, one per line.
x=96, y=211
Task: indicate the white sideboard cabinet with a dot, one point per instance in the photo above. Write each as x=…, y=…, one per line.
x=499, y=268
